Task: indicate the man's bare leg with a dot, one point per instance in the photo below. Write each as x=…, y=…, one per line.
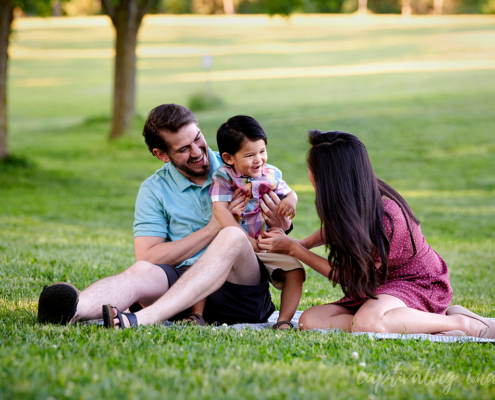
x=228, y=258
x=142, y=282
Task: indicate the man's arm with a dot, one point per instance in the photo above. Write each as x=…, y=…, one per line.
x=155, y=250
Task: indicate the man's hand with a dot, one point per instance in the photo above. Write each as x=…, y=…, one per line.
x=269, y=207
x=238, y=202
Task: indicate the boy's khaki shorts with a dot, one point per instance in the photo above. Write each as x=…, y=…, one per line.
x=282, y=262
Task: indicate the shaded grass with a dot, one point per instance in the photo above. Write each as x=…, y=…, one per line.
x=67, y=202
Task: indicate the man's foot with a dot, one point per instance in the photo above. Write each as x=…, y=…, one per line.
x=113, y=318
x=58, y=303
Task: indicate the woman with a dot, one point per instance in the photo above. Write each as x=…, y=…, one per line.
x=393, y=281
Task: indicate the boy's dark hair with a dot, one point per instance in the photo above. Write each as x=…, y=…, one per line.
x=233, y=133
x=167, y=117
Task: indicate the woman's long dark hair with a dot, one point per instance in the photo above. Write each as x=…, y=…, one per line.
x=350, y=207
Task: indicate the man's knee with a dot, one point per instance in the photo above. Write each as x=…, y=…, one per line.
x=233, y=234
x=143, y=268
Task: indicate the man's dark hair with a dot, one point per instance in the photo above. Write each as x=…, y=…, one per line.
x=169, y=118
x=233, y=133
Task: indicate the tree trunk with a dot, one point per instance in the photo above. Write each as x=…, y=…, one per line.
x=126, y=27
x=228, y=7
x=406, y=8
x=437, y=7
x=362, y=7
x=6, y=18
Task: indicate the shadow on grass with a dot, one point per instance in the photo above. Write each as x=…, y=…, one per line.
x=15, y=162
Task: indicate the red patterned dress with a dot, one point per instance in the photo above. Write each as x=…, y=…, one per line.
x=421, y=282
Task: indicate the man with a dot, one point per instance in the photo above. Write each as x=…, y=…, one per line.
x=175, y=232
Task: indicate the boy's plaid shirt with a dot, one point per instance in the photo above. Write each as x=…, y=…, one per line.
x=226, y=180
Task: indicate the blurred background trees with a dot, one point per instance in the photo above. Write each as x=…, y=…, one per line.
x=324, y=6
x=8, y=9
x=126, y=16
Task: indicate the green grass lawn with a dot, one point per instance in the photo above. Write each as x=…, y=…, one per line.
x=66, y=205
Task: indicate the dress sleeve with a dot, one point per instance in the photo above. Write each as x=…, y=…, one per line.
x=397, y=231
x=150, y=217
x=222, y=187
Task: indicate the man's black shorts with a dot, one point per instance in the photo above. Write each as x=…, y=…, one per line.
x=232, y=303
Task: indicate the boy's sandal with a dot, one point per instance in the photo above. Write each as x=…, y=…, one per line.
x=108, y=318
x=280, y=323
x=195, y=319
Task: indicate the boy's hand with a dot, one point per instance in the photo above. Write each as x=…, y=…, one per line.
x=287, y=208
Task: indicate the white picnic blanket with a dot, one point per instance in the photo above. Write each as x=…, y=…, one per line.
x=378, y=336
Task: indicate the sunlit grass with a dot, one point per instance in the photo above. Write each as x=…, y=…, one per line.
x=66, y=211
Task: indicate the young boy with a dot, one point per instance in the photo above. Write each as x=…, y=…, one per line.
x=242, y=145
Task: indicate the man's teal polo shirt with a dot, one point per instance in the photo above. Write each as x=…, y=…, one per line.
x=170, y=206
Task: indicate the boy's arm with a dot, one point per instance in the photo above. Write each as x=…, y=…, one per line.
x=225, y=218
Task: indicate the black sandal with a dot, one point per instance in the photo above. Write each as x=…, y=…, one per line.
x=197, y=319
x=280, y=323
x=108, y=318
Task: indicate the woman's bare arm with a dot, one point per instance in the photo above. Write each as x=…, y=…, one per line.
x=315, y=240
x=276, y=241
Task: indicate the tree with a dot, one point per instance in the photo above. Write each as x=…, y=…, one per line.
x=228, y=7
x=5, y=27
x=40, y=7
x=126, y=16
x=363, y=7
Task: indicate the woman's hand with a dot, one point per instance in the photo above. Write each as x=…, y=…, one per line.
x=275, y=241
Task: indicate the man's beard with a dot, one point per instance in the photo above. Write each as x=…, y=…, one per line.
x=205, y=168
x=197, y=174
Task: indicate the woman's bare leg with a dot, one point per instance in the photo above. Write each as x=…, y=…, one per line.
x=327, y=316
x=391, y=315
